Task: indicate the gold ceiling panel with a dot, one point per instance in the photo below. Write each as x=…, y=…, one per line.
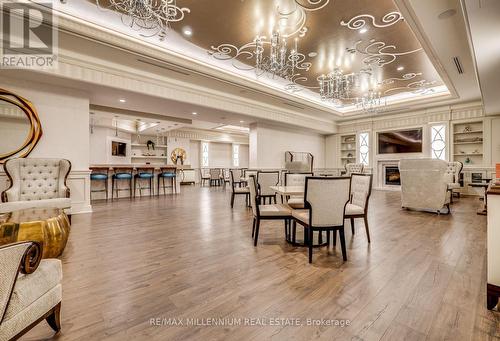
x=352, y=35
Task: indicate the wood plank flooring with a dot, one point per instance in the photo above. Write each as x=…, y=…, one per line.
x=191, y=257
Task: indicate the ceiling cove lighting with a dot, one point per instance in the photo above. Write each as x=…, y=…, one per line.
x=147, y=15
x=233, y=128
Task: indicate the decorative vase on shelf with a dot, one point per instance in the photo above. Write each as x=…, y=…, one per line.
x=467, y=129
x=467, y=161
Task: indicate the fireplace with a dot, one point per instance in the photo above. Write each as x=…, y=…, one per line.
x=392, y=176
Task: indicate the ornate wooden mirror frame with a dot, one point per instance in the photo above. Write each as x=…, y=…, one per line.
x=35, y=130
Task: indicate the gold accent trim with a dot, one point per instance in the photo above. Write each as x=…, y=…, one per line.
x=35, y=132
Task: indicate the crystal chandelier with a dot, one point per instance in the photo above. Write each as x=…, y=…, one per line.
x=336, y=86
x=280, y=62
x=371, y=102
x=153, y=16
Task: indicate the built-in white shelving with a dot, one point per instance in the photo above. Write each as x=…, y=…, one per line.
x=468, y=142
x=348, y=149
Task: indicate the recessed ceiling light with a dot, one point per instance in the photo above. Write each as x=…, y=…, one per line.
x=195, y=113
x=400, y=68
x=242, y=121
x=363, y=30
x=122, y=100
x=312, y=54
x=187, y=31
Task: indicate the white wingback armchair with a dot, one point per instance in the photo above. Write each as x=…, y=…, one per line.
x=352, y=168
x=424, y=184
x=36, y=183
x=30, y=289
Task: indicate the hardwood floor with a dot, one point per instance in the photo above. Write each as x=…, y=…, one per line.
x=191, y=256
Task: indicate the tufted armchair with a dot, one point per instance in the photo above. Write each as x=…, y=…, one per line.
x=36, y=183
x=454, y=169
x=424, y=184
x=30, y=289
x=354, y=168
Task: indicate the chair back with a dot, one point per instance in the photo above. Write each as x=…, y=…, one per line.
x=225, y=173
x=296, y=179
x=248, y=172
x=265, y=179
x=100, y=170
x=36, y=179
x=326, y=199
x=354, y=168
x=214, y=173
x=168, y=170
x=361, y=189
x=252, y=184
x=454, y=169
x=147, y=170
x=424, y=183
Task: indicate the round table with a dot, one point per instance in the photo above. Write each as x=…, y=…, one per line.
x=48, y=226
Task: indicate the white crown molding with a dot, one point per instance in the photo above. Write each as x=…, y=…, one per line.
x=201, y=135
x=415, y=118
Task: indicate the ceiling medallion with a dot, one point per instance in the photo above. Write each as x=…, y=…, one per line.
x=359, y=21
x=153, y=16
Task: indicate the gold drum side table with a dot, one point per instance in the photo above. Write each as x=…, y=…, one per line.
x=50, y=227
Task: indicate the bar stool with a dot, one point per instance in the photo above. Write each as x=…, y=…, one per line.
x=167, y=173
x=121, y=174
x=145, y=173
x=99, y=174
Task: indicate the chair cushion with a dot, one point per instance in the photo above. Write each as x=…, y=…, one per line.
x=275, y=210
x=296, y=202
x=122, y=176
x=98, y=176
x=145, y=175
x=351, y=209
x=30, y=288
x=167, y=175
x=301, y=215
x=241, y=190
x=62, y=203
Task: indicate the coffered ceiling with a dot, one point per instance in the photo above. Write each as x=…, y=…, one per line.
x=366, y=37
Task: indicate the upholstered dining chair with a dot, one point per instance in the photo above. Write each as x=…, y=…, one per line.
x=351, y=168
x=225, y=178
x=30, y=290
x=265, y=212
x=236, y=188
x=454, y=169
x=266, y=179
x=215, y=176
x=325, y=204
x=122, y=174
x=168, y=173
x=361, y=189
x=296, y=179
x=37, y=183
x=99, y=175
x=204, y=176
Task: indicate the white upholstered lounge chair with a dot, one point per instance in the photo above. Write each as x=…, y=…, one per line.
x=424, y=184
x=30, y=290
x=36, y=183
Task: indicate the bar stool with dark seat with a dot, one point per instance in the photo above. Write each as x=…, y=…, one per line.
x=144, y=173
x=99, y=174
x=121, y=173
x=169, y=173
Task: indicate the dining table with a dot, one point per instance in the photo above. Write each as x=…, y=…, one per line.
x=288, y=190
